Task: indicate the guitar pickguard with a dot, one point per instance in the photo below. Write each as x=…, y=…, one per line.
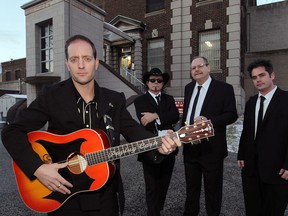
x=60, y=153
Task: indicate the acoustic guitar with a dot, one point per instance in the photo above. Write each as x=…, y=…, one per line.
x=90, y=161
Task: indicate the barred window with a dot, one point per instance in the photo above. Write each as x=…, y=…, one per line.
x=209, y=47
x=155, y=54
x=46, y=39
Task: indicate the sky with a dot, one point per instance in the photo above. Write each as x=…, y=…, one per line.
x=12, y=30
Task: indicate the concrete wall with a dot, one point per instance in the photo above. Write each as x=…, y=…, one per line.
x=267, y=28
x=108, y=80
x=68, y=18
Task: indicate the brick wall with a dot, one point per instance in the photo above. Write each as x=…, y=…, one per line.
x=13, y=66
x=219, y=21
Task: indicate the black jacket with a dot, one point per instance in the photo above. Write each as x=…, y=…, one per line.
x=168, y=115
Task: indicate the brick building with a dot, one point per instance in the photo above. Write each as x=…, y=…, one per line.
x=13, y=76
x=175, y=31
x=137, y=35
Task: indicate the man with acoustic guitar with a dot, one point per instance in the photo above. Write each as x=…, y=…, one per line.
x=55, y=170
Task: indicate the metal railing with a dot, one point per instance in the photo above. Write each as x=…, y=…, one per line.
x=129, y=75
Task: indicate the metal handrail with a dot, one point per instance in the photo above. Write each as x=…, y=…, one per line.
x=129, y=75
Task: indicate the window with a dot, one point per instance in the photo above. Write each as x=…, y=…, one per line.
x=17, y=74
x=209, y=47
x=155, y=52
x=263, y=2
x=46, y=48
x=154, y=5
x=8, y=76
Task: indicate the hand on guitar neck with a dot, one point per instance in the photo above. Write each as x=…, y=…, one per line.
x=169, y=144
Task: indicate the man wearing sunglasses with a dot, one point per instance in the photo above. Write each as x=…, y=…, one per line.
x=157, y=113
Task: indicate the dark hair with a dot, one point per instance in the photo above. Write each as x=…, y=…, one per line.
x=79, y=37
x=204, y=59
x=260, y=63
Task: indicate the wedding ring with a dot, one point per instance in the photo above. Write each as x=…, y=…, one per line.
x=59, y=186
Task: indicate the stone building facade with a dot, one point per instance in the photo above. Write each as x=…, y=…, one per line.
x=182, y=24
x=133, y=33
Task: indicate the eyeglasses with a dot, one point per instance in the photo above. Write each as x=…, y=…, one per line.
x=199, y=66
x=154, y=80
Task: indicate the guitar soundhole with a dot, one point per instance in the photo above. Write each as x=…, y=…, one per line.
x=76, y=163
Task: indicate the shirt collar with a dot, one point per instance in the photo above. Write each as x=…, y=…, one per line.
x=153, y=95
x=268, y=96
x=205, y=84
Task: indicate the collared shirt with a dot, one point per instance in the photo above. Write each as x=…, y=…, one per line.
x=88, y=111
x=158, y=122
x=154, y=96
x=266, y=102
x=201, y=98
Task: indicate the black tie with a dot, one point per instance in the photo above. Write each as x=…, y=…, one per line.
x=260, y=115
x=194, y=105
x=158, y=99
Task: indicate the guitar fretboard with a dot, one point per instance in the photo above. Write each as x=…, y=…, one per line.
x=124, y=150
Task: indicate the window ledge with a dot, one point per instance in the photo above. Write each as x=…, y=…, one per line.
x=42, y=79
x=206, y=2
x=216, y=71
x=155, y=13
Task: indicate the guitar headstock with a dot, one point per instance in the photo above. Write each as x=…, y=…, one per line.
x=196, y=131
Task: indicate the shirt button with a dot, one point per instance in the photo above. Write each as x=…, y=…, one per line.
x=87, y=126
x=86, y=111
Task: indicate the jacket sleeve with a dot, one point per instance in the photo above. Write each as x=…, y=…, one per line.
x=133, y=131
x=15, y=136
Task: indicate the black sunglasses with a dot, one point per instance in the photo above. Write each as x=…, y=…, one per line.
x=154, y=80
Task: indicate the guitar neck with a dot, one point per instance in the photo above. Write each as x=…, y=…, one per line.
x=125, y=150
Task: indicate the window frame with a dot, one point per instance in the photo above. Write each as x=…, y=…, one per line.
x=46, y=47
x=8, y=76
x=156, y=57
x=154, y=5
x=213, y=55
x=17, y=74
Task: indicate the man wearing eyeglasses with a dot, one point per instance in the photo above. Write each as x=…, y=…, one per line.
x=157, y=113
x=206, y=98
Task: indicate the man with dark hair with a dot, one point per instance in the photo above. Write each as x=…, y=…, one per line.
x=157, y=113
x=69, y=106
x=206, y=98
x=263, y=147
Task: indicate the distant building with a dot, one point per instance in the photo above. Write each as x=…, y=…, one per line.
x=7, y=101
x=13, y=76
